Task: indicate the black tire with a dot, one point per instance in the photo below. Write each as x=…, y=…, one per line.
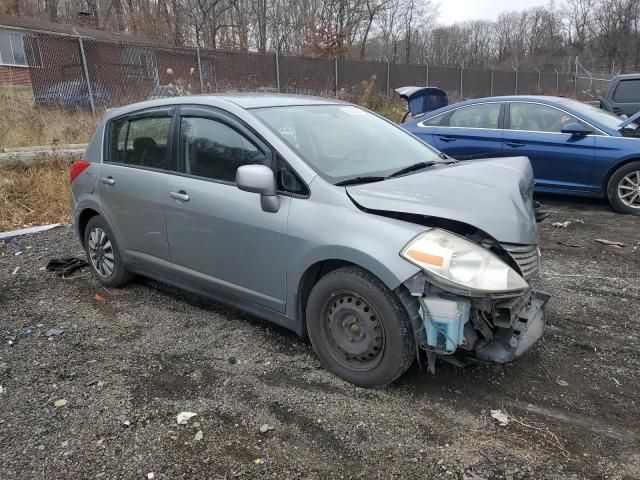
x=359, y=329
x=617, y=184
x=118, y=276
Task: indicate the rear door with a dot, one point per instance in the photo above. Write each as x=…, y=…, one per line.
x=219, y=236
x=626, y=97
x=560, y=161
x=472, y=131
x=132, y=182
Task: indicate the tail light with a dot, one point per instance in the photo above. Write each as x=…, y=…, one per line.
x=77, y=168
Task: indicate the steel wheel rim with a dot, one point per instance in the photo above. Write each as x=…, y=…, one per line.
x=629, y=189
x=352, y=330
x=101, y=253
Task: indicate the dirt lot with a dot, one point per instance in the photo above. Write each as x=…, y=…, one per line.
x=129, y=365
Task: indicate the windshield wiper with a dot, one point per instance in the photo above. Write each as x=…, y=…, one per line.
x=412, y=168
x=357, y=180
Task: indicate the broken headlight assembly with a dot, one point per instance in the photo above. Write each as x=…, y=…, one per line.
x=459, y=262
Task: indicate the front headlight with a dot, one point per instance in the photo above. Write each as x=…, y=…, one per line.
x=457, y=260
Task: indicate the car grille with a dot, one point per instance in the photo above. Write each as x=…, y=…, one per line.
x=527, y=257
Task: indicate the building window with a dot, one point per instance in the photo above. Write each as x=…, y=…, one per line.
x=16, y=50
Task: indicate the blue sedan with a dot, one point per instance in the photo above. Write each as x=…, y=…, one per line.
x=574, y=148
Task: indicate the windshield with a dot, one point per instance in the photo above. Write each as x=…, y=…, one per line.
x=596, y=114
x=344, y=142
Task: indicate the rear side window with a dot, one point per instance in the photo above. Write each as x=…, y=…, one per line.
x=628, y=91
x=141, y=142
x=534, y=117
x=485, y=115
x=212, y=149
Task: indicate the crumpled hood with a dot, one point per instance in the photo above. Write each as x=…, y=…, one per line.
x=493, y=195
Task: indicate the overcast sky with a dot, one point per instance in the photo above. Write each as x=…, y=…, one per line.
x=452, y=11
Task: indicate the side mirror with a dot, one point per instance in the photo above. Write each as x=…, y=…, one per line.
x=576, y=129
x=259, y=179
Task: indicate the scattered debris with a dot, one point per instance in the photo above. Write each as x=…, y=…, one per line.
x=610, y=243
x=259, y=461
x=562, y=383
x=65, y=266
x=3, y=390
x=54, y=332
x=126, y=423
x=616, y=380
x=183, y=417
x=151, y=476
x=15, y=271
x=232, y=360
x=18, y=254
x=11, y=343
x=226, y=382
x=99, y=298
x=501, y=417
x=561, y=224
x=61, y=403
x=266, y=428
x=25, y=231
x=572, y=245
x=198, y=436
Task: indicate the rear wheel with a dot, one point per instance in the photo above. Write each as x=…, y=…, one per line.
x=358, y=328
x=103, y=254
x=623, y=190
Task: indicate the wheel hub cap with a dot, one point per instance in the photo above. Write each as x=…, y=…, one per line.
x=101, y=253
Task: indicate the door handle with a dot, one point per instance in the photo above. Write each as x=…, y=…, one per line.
x=515, y=144
x=448, y=139
x=108, y=180
x=181, y=195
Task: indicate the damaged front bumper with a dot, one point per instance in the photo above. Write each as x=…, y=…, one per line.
x=493, y=328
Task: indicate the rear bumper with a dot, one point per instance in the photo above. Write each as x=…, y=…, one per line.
x=511, y=343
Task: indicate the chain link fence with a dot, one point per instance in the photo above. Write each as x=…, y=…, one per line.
x=82, y=73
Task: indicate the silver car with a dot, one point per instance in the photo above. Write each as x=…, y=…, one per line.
x=321, y=217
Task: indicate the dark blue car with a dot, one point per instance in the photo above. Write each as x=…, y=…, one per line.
x=574, y=148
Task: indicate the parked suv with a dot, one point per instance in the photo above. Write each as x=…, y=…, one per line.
x=321, y=217
x=622, y=96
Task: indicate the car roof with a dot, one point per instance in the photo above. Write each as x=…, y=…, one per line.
x=243, y=100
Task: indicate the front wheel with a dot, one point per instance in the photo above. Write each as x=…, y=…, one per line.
x=359, y=329
x=623, y=189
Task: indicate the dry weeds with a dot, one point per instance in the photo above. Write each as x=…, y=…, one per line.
x=34, y=195
x=23, y=125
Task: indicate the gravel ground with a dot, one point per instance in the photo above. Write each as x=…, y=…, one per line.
x=127, y=365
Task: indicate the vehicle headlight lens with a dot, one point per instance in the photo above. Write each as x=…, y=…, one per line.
x=457, y=260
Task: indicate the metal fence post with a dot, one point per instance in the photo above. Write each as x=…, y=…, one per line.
x=491, y=86
x=199, y=67
x=516, y=70
x=278, y=71
x=427, y=84
x=335, y=66
x=538, y=89
x=575, y=79
x=86, y=75
x=461, y=76
x=388, y=76
x=557, y=81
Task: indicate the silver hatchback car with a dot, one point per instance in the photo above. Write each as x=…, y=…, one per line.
x=321, y=217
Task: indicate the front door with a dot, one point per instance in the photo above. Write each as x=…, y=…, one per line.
x=471, y=132
x=560, y=161
x=219, y=237
x=132, y=183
